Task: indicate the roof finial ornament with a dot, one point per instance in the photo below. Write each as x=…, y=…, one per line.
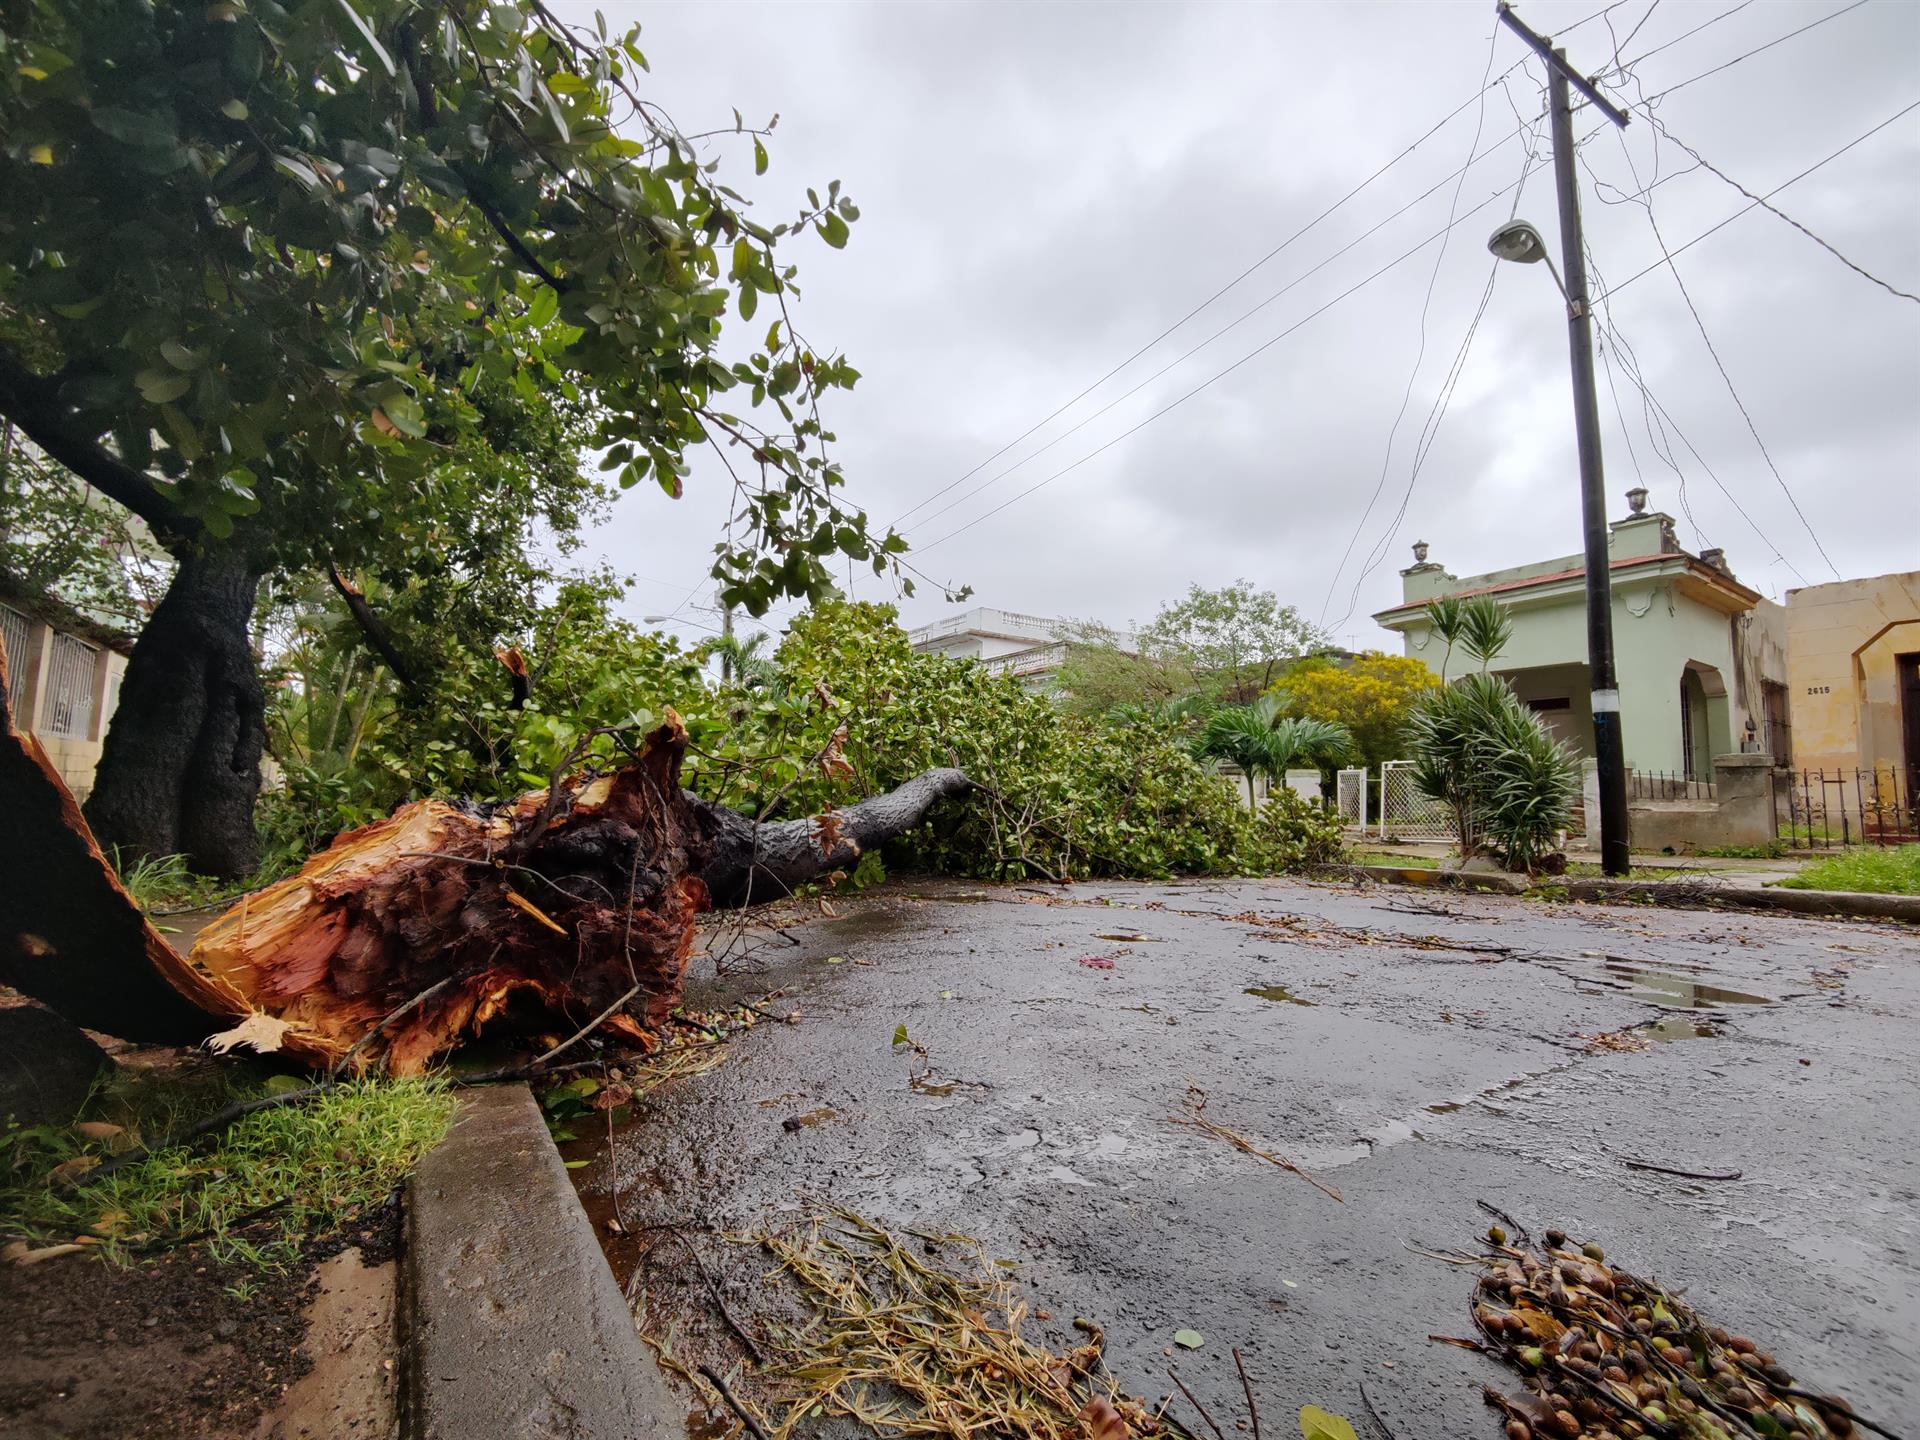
x=1419, y=552
x=1637, y=499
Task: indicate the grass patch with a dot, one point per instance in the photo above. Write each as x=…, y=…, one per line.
x=1398, y=862
x=163, y=883
x=1894, y=870
x=252, y=1194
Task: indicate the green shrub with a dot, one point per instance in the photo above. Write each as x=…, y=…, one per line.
x=1508, y=782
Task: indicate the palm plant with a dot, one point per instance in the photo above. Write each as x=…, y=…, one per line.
x=1492, y=762
x=1480, y=626
x=1263, y=740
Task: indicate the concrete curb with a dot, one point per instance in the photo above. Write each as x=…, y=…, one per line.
x=511, y=1323
x=1681, y=894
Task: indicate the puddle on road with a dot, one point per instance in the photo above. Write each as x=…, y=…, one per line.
x=1278, y=993
x=1679, y=1027
x=811, y=1118
x=1682, y=992
x=1129, y=935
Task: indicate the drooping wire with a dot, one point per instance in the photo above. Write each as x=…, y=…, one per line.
x=1443, y=399
x=1755, y=204
x=1420, y=353
x=1748, y=55
x=1193, y=350
x=1761, y=201
x=1257, y=264
x=1719, y=364
x=1620, y=66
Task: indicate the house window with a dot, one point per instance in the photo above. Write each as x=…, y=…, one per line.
x=17, y=631
x=69, y=707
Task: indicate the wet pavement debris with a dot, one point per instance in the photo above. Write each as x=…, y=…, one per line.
x=1607, y=1355
x=916, y=1333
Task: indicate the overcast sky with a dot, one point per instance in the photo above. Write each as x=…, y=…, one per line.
x=1045, y=188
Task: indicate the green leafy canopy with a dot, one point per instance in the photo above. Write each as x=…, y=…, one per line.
x=266, y=268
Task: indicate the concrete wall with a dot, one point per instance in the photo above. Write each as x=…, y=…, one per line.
x=1742, y=813
x=1842, y=642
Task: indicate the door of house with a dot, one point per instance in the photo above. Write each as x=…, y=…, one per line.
x=1686, y=728
x=1908, y=669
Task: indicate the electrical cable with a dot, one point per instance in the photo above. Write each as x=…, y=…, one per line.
x=1394, y=263
x=1088, y=390
x=1757, y=50
x=1233, y=324
x=1684, y=35
x=1420, y=352
x=1719, y=364
x=1818, y=164
x=1759, y=200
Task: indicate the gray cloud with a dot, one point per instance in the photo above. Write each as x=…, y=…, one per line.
x=1045, y=187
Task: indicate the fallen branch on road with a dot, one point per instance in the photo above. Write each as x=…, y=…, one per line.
x=1196, y=1119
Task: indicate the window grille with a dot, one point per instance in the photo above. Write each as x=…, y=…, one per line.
x=69, y=707
x=17, y=631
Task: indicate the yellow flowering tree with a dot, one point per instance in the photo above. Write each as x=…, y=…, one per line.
x=1373, y=697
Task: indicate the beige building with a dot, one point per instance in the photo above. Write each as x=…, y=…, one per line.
x=63, y=680
x=1853, y=674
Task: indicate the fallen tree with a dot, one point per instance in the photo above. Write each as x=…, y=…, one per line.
x=568, y=907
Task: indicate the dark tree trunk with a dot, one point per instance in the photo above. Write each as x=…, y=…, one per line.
x=180, y=769
x=751, y=864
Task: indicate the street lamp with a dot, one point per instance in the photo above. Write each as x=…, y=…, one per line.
x=1520, y=242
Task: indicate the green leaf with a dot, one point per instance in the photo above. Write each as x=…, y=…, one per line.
x=235, y=110
x=759, y=157
x=577, y=1164
x=749, y=301
x=282, y=1084
x=405, y=413
x=669, y=481
x=1189, y=1339
x=544, y=306
x=366, y=33
x=180, y=357
x=1318, y=1424
x=900, y=1035
x=159, y=387
x=833, y=230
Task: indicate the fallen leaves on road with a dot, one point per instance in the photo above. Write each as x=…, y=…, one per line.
x=904, y=1345
x=1606, y=1353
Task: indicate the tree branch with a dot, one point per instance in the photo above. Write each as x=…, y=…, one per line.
x=372, y=626
x=33, y=403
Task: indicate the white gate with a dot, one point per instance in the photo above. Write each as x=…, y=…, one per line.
x=1407, y=812
x=1350, y=798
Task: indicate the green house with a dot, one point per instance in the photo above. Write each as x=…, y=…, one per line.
x=1701, y=658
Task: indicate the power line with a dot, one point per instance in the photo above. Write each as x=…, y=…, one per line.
x=1233, y=324
x=1818, y=164
x=1397, y=261
x=1757, y=50
x=1684, y=35
x=1420, y=353
x=1759, y=200
x=1443, y=400
x=1720, y=365
x=1395, y=160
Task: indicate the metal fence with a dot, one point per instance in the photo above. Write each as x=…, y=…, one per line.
x=1821, y=809
x=1350, y=798
x=1668, y=785
x=1407, y=812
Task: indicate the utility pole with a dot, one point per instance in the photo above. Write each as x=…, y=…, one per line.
x=726, y=632
x=1609, y=750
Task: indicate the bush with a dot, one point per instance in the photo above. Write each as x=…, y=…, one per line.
x=1487, y=757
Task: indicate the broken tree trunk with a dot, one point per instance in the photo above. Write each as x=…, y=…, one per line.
x=568, y=907
x=749, y=862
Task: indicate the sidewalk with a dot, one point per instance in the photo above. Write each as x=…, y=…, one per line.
x=1750, y=874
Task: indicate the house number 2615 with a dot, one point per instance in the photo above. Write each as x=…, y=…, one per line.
x=1819, y=689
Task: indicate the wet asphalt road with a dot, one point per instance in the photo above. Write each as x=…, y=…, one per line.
x=1325, y=1024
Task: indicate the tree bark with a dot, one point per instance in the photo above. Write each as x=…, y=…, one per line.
x=751, y=863
x=180, y=769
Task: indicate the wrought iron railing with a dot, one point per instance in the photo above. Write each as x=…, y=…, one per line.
x=1821, y=809
x=1668, y=785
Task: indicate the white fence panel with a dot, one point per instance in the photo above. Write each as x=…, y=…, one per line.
x=1406, y=813
x=1350, y=798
